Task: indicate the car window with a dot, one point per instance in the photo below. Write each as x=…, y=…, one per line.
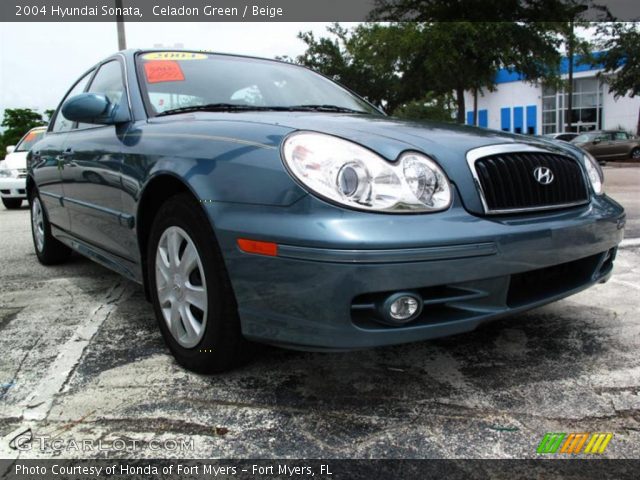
x=61, y=124
x=167, y=101
x=108, y=81
x=173, y=80
x=29, y=140
x=250, y=95
x=603, y=137
x=582, y=139
x=566, y=137
x=621, y=136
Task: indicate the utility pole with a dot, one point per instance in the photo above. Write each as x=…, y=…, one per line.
x=570, y=54
x=122, y=41
x=569, y=120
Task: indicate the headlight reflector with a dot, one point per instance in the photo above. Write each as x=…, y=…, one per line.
x=8, y=172
x=594, y=172
x=348, y=174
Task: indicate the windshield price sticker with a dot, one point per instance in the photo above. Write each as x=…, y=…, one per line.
x=158, y=71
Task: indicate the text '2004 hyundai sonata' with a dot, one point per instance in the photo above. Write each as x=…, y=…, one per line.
x=259, y=201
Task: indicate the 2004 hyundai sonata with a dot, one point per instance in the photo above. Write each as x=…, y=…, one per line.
x=259, y=201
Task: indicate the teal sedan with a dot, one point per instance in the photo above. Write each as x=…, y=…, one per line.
x=258, y=201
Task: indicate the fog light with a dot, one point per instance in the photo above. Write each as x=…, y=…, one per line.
x=403, y=308
x=400, y=308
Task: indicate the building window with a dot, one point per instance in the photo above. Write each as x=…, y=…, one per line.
x=586, y=112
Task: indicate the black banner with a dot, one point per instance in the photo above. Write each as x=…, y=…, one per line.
x=312, y=10
x=318, y=469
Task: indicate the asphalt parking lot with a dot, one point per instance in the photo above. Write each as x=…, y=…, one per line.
x=82, y=360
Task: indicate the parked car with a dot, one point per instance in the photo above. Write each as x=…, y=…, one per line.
x=13, y=170
x=609, y=145
x=564, y=136
x=263, y=202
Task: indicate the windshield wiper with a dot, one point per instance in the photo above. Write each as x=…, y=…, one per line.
x=218, y=107
x=234, y=107
x=325, y=108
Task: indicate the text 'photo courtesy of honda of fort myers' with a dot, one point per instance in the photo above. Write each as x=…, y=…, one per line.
x=258, y=201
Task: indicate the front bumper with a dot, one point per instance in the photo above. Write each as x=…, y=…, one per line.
x=13, y=187
x=335, y=267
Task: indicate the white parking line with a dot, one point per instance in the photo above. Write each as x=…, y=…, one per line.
x=630, y=242
x=625, y=283
x=38, y=404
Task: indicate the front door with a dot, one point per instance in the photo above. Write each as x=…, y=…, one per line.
x=92, y=173
x=47, y=161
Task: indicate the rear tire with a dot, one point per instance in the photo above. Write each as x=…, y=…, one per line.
x=635, y=154
x=12, y=203
x=49, y=250
x=190, y=290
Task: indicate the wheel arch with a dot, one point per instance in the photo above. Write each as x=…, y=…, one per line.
x=157, y=190
x=30, y=187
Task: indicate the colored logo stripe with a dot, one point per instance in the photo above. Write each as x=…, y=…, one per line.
x=550, y=442
x=573, y=442
x=598, y=442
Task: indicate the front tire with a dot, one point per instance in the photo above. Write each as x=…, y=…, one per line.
x=191, y=294
x=12, y=203
x=49, y=250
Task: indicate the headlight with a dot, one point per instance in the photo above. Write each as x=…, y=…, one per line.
x=594, y=172
x=8, y=172
x=353, y=176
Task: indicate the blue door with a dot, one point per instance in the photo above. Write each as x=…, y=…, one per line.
x=47, y=161
x=518, y=120
x=505, y=119
x=92, y=174
x=483, y=118
x=532, y=119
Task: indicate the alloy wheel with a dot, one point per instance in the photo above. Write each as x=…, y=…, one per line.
x=37, y=223
x=181, y=286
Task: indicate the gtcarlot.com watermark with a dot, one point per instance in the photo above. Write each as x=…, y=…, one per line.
x=27, y=440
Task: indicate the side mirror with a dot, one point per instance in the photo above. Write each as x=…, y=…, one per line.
x=10, y=149
x=94, y=108
x=596, y=141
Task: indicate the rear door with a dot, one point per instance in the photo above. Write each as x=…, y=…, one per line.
x=92, y=173
x=621, y=145
x=47, y=159
x=603, y=146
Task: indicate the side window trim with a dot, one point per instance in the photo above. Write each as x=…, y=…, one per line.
x=123, y=75
x=91, y=73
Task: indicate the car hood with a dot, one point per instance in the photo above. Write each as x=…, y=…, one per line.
x=448, y=144
x=16, y=160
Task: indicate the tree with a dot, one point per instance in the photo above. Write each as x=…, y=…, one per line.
x=49, y=113
x=621, y=59
x=436, y=108
x=466, y=42
x=17, y=122
x=371, y=59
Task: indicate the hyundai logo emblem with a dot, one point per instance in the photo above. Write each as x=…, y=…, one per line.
x=543, y=175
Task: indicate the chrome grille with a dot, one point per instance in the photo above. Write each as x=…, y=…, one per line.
x=514, y=178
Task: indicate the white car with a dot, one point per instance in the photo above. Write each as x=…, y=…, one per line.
x=13, y=170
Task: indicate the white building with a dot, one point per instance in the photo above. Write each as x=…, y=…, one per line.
x=521, y=107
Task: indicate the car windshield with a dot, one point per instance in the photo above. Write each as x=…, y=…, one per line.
x=183, y=81
x=29, y=140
